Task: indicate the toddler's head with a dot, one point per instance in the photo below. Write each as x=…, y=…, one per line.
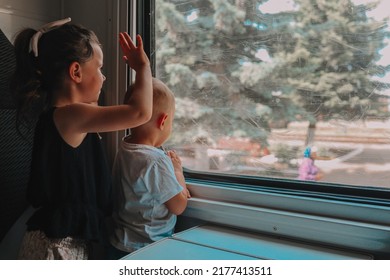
x=159, y=127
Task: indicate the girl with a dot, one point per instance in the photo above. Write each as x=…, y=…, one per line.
x=308, y=170
x=59, y=69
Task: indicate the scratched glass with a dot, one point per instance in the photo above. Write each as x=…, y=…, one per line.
x=278, y=88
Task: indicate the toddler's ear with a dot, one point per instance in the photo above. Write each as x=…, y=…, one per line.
x=161, y=120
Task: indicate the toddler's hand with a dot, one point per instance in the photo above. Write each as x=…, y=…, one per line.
x=179, y=171
x=175, y=161
x=188, y=193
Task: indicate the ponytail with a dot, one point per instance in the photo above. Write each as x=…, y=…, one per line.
x=26, y=81
x=39, y=75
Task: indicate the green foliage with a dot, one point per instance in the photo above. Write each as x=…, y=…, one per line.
x=321, y=64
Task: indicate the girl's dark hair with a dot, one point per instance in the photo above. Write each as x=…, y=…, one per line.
x=36, y=78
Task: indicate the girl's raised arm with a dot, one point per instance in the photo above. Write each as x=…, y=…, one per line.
x=79, y=117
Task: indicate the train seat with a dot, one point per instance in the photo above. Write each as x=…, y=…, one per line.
x=15, y=157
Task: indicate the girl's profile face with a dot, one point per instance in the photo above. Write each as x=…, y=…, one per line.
x=92, y=76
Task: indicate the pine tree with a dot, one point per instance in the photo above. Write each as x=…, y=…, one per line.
x=332, y=66
x=237, y=71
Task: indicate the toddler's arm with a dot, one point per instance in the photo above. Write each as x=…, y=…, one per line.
x=178, y=203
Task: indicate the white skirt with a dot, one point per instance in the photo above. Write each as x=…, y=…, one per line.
x=37, y=246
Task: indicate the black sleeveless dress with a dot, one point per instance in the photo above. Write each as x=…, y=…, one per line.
x=70, y=187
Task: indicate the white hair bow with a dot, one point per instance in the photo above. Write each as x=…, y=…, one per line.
x=47, y=27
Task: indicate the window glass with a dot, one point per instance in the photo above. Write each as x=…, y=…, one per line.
x=295, y=89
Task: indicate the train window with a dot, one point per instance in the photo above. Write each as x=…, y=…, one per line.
x=264, y=87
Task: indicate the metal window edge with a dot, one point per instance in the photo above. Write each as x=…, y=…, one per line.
x=346, y=225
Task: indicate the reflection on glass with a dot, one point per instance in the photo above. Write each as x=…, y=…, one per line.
x=257, y=82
